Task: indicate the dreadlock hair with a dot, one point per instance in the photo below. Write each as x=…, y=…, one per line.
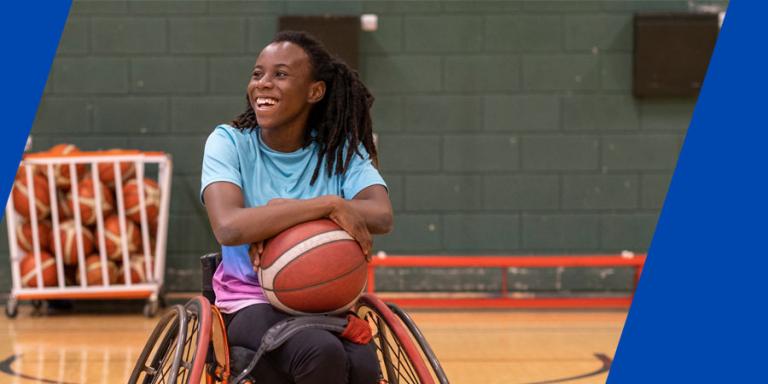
x=341, y=119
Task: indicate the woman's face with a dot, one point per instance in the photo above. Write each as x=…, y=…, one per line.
x=281, y=90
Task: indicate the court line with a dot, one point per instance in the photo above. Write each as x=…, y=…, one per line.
x=5, y=367
x=606, y=366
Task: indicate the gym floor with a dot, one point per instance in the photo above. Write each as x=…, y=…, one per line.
x=504, y=346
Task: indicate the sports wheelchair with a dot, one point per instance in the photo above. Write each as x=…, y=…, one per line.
x=189, y=343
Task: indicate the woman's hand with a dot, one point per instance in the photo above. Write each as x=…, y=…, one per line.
x=255, y=251
x=354, y=223
x=257, y=248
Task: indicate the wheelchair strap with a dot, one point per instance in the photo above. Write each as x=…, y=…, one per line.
x=283, y=330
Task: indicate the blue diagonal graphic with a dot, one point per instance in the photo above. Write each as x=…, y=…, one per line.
x=698, y=316
x=29, y=35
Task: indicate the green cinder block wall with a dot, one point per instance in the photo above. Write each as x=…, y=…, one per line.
x=505, y=127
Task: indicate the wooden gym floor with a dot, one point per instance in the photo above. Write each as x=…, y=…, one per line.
x=504, y=346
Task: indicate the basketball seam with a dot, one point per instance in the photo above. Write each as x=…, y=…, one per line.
x=32, y=274
x=305, y=240
x=347, y=273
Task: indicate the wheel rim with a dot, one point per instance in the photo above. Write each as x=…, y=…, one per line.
x=426, y=349
x=399, y=357
x=161, y=350
x=177, y=348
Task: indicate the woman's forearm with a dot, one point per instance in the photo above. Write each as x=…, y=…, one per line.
x=249, y=225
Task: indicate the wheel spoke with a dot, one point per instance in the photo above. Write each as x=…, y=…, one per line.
x=393, y=355
x=190, y=346
x=171, y=354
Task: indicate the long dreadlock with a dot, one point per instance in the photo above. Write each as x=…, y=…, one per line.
x=341, y=119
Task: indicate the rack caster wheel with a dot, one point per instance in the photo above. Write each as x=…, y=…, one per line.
x=39, y=307
x=150, y=308
x=11, y=308
x=162, y=299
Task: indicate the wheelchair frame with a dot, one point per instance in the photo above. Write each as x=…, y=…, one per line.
x=190, y=342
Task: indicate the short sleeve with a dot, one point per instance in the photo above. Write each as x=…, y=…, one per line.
x=220, y=160
x=360, y=174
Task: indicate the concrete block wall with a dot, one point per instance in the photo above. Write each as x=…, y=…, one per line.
x=505, y=127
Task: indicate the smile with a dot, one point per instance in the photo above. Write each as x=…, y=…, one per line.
x=263, y=103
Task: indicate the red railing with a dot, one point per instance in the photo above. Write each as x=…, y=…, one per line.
x=504, y=298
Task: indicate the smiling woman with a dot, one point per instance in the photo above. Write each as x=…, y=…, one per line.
x=297, y=69
x=302, y=150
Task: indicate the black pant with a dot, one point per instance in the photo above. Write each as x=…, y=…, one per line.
x=310, y=356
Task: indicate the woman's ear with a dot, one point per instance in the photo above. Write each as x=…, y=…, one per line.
x=316, y=91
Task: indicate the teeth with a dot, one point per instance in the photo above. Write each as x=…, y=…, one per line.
x=266, y=100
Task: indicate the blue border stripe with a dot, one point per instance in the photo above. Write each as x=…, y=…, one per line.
x=29, y=35
x=698, y=316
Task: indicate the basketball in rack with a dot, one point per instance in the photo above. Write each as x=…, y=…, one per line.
x=89, y=225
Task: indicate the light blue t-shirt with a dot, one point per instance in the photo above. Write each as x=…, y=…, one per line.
x=240, y=157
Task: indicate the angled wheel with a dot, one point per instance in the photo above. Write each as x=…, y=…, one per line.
x=176, y=350
x=198, y=336
x=426, y=349
x=401, y=359
x=217, y=359
x=159, y=360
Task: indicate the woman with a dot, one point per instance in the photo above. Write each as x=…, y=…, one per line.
x=302, y=150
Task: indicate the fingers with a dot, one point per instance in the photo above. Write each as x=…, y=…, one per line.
x=355, y=225
x=254, y=252
x=358, y=232
x=366, y=243
x=363, y=237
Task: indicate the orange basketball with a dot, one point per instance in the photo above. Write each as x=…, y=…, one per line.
x=61, y=172
x=113, y=240
x=137, y=272
x=151, y=200
x=24, y=235
x=86, y=196
x=107, y=170
x=93, y=272
x=42, y=200
x=314, y=267
x=68, y=238
x=65, y=211
x=28, y=271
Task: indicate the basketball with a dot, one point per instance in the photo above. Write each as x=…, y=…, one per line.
x=314, y=267
x=68, y=238
x=93, y=273
x=65, y=211
x=42, y=201
x=24, y=235
x=61, y=172
x=151, y=200
x=107, y=170
x=29, y=274
x=137, y=270
x=113, y=240
x=86, y=195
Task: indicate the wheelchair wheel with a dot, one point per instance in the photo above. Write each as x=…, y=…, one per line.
x=217, y=360
x=176, y=350
x=159, y=360
x=197, y=339
x=401, y=360
x=426, y=349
